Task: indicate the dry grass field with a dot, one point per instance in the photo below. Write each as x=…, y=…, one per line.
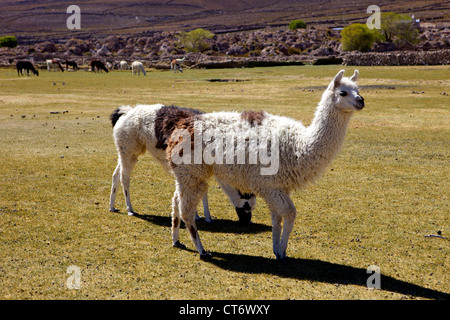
x=385, y=192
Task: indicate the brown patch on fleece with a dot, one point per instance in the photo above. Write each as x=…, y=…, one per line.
x=167, y=119
x=193, y=232
x=176, y=138
x=253, y=117
x=175, y=222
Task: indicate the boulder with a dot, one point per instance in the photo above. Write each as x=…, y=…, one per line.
x=49, y=47
x=103, y=51
x=236, y=50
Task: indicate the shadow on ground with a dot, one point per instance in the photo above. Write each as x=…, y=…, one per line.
x=316, y=270
x=295, y=268
x=217, y=225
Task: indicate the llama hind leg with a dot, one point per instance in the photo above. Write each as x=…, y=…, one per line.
x=115, y=183
x=126, y=166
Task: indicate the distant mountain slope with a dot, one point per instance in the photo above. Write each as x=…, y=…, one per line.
x=38, y=17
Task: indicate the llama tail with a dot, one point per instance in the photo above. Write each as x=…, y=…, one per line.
x=114, y=117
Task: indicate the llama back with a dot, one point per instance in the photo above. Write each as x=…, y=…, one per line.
x=147, y=127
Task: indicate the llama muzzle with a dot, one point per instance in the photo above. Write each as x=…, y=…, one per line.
x=359, y=102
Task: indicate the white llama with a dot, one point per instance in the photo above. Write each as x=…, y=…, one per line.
x=137, y=67
x=148, y=127
x=123, y=65
x=304, y=153
x=175, y=65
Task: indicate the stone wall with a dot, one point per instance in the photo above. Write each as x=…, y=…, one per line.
x=398, y=58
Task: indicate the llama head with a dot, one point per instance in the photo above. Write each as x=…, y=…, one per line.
x=345, y=92
x=244, y=206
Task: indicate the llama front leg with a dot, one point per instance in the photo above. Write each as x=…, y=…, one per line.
x=188, y=216
x=188, y=200
x=176, y=221
x=282, y=208
x=115, y=183
x=276, y=234
x=288, y=225
x=206, y=211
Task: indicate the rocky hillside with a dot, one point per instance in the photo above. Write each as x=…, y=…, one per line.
x=269, y=46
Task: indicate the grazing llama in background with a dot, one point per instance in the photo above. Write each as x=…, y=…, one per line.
x=73, y=64
x=137, y=67
x=54, y=64
x=25, y=65
x=304, y=153
x=123, y=65
x=97, y=64
x=175, y=65
x=148, y=127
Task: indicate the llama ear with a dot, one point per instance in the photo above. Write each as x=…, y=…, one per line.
x=355, y=76
x=336, y=81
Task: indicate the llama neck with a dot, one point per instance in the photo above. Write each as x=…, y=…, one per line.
x=325, y=135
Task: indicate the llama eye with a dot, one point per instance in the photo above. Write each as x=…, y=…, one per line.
x=342, y=93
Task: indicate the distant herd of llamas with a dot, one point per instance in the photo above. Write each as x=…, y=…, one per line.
x=95, y=66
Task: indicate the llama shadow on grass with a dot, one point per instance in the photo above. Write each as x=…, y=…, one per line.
x=320, y=271
x=216, y=226
x=294, y=268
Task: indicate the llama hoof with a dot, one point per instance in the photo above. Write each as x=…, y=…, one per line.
x=206, y=255
x=209, y=220
x=131, y=213
x=113, y=210
x=179, y=245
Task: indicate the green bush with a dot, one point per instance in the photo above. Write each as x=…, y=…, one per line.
x=358, y=37
x=398, y=28
x=195, y=40
x=8, y=41
x=297, y=24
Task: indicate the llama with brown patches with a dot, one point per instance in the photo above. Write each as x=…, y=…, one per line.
x=148, y=128
x=175, y=65
x=302, y=153
x=53, y=64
